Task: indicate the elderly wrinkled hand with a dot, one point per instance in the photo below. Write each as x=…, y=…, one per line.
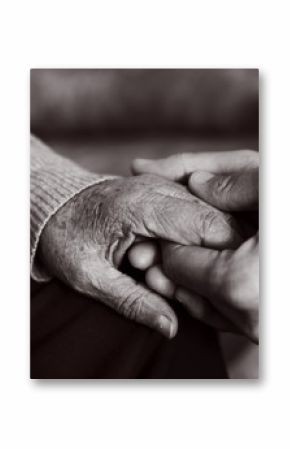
x=220, y=287
x=84, y=243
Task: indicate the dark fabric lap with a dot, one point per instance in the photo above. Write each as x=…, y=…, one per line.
x=74, y=337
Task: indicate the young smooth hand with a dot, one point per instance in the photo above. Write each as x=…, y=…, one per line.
x=220, y=287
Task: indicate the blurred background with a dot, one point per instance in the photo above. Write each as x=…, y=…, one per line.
x=103, y=118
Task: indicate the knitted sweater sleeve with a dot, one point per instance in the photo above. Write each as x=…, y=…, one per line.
x=53, y=181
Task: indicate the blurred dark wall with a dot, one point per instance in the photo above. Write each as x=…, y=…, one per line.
x=101, y=101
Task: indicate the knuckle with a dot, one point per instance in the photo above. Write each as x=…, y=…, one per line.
x=131, y=303
x=223, y=186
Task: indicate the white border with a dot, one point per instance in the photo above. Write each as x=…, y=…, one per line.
x=144, y=34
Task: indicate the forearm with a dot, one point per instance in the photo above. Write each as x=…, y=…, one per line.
x=53, y=181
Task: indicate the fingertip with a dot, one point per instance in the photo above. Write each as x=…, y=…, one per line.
x=173, y=327
x=143, y=255
x=201, y=177
x=221, y=231
x=139, y=165
x=198, y=181
x=159, y=282
x=167, y=326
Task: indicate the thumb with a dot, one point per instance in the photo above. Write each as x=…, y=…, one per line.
x=197, y=269
x=229, y=192
x=134, y=301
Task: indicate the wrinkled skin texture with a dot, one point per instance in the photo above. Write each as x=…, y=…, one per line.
x=84, y=243
x=219, y=287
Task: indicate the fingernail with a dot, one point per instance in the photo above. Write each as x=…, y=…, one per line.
x=166, y=326
x=201, y=177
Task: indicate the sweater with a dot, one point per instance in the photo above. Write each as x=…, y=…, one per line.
x=54, y=180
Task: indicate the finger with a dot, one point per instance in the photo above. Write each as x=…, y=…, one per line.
x=191, y=222
x=159, y=282
x=201, y=270
x=196, y=305
x=206, y=272
x=144, y=254
x=202, y=310
x=229, y=192
x=134, y=301
x=179, y=166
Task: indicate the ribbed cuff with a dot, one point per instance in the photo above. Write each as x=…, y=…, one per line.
x=54, y=180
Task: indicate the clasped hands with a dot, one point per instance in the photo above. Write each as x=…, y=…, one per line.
x=188, y=220
x=217, y=286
